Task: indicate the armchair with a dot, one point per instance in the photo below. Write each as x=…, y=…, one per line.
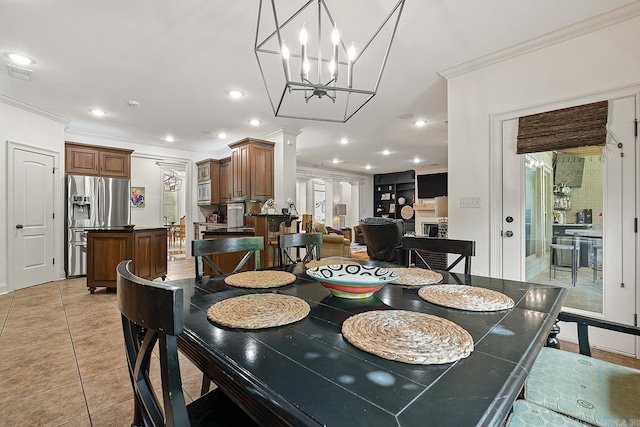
x=383, y=237
x=332, y=244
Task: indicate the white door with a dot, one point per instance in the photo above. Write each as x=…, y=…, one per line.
x=32, y=204
x=617, y=256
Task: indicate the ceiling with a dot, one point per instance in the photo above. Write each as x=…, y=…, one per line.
x=178, y=60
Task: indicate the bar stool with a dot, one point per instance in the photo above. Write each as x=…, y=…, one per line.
x=594, y=251
x=553, y=261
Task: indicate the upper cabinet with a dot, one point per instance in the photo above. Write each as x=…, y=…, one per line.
x=226, y=180
x=208, y=182
x=252, y=169
x=83, y=159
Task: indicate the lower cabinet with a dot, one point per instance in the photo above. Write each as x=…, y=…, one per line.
x=106, y=248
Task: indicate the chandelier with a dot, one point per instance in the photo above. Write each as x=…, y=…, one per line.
x=172, y=182
x=316, y=67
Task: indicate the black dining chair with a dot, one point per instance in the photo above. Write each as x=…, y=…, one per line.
x=309, y=241
x=201, y=249
x=152, y=313
x=427, y=248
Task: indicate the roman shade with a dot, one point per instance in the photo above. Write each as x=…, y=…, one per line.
x=581, y=126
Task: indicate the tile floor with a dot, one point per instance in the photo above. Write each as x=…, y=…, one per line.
x=62, y=357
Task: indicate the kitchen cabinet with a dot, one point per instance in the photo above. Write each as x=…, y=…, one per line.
x=391, y=193
x=226, y=183
x=208, y=182
x=252, y=170
x=147, y=248
x=81, y=159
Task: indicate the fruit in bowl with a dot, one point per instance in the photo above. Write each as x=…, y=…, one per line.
x=352, y=281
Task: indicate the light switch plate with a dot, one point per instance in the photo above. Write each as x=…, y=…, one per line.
x=469, y=202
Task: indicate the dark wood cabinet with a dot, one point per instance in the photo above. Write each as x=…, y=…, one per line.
x=93, y=160
x=226, y=183
x=106, y=248
x=393, y=192
x=252, y=169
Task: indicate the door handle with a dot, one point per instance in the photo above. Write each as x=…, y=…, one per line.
x=19, y=226
x=508, y=233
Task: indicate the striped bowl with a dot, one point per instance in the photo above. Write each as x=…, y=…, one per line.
x=352, y=281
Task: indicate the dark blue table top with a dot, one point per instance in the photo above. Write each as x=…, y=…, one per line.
x=307, y=374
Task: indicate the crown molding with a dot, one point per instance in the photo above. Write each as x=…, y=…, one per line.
x=587, y=26
x=125, y=140
x=6, y=99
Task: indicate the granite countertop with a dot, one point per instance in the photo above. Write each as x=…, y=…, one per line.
x=125, y=229
x=232, y=230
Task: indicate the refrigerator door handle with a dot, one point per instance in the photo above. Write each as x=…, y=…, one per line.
x=101, y=204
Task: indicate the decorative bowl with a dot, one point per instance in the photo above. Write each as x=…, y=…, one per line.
x=352, y=281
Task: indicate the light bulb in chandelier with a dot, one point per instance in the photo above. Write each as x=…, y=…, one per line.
x=335, y=39
x=351, y=56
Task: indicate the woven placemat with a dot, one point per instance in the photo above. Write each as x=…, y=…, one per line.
x=260, y=279
x=407, y=336
x=258, y=311
x=466, y=297
x=321, y=262
x=415, y=276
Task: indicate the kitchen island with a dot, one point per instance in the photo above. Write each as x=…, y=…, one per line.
x=106, y=247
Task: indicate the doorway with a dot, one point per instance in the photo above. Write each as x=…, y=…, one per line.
x=31, y=195
x=535, y=198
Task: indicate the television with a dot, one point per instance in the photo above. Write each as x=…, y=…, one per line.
x=432, y=185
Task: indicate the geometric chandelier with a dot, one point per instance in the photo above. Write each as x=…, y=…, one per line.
x=320, y=66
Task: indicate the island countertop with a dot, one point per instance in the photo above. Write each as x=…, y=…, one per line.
x=244, y=231
x=125, y=229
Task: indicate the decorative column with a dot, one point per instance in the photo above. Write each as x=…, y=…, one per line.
x=284, y=163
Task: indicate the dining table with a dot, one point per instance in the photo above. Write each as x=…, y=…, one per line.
x=307, y=374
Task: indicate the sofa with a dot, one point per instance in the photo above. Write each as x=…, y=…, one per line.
x=332, y=244
x=383, y=237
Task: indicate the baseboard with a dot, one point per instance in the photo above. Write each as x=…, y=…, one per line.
x=4, y=288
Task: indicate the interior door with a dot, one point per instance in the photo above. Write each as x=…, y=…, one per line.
x=618, y=252
x=32, y=202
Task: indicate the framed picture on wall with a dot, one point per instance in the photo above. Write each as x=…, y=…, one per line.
x=137, y=197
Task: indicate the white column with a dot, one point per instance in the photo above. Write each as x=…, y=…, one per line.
x=284, y=165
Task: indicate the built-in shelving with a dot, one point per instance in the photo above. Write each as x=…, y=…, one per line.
x=391, y=193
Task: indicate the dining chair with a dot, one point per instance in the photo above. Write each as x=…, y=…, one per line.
x=181, y=231
x=202, y=249
x=425, y=247
x=581, y=387
x=152, y=314
x=311, y=242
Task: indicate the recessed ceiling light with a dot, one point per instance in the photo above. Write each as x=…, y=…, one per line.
x=169, y=138
x=235, y=94
x=420, y=123
x=336, y=161
x=416, y=160
x=254, y=122
x=133, y=103
x=97, y=112
x=344, y=141
x=222, y=135
x=385, y=152
x=19, y=59
x=368, y=167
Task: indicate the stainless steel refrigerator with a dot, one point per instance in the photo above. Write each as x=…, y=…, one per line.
x=92, y=202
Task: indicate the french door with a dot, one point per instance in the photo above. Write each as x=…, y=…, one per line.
x=547, y=239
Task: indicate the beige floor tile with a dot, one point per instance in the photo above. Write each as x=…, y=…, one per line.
x=26, y=379
x=83, y=421
x=36, y=320
x=92, y=340
x=47, y=408
x=18, y=355
x=79, y=326
x=187, y=369
x=120, y=415
x=192, y=386
x=101, y=360
x=31, y=335
x=107, y=389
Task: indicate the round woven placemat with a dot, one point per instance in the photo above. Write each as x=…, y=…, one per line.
x=260, y=279
x=415, y=276
x=466, y=297
x=321, y=262
x=258, y=311
x=407, y=336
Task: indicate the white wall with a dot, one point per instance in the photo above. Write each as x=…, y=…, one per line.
x=600, y=61
x=28, y=128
